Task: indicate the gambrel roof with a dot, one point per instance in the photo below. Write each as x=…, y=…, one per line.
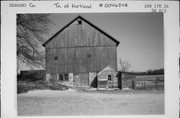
x=79, y=17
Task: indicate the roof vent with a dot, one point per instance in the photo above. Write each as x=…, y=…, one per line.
x=79, y=22
x=56, y=58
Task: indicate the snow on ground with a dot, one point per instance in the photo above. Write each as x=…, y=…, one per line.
x=72, y=102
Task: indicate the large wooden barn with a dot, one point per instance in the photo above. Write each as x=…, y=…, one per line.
x=77, y=52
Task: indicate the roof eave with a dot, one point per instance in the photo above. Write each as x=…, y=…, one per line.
x=44, y=44
x=112, y=38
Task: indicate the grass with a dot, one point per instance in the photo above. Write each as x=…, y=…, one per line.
x=95, y=102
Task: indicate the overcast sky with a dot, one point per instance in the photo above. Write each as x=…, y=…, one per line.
x=140, y=35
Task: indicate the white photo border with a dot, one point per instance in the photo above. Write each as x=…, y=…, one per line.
x=8, y=49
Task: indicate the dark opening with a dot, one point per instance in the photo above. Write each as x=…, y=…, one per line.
x=79, y=22
x=61, y=77
x=109, y=77
x=66, y=77
x=56, y=58
x=119, y=75
x=94, y=83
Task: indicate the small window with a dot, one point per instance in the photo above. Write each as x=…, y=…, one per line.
x=56, y=58
x=61, y=77
x=109, y=78
x=66, y=77
x=79, y=22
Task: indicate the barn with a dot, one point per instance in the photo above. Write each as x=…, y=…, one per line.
x=77, y=52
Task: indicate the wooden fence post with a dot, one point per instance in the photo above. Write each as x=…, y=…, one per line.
x=97, y=82
x=133, y=84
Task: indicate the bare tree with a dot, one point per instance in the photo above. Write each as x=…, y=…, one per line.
x=30, y=31
x=124, y=65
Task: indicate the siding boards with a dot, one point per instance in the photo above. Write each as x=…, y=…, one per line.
x=50, y=53
x=80, y=35
x=82, y=59
x=80, y=48
x=70, y=60
x=62, y=59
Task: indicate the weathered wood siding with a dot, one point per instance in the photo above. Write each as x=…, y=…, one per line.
x=81, y=79
x=79, y=35
x=80, y=48
x=76, y=60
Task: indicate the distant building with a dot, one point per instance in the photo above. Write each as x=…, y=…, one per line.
x=77, y=52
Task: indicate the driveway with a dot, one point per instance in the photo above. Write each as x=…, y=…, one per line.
x=71, y=102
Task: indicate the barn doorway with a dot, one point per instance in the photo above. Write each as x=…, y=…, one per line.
x=81, y=79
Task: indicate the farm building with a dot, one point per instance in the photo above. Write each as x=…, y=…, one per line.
x=125, y=79
x=131, y=80
x=77, y=52
x=107, y=78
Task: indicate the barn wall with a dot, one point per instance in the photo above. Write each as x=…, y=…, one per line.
x=76, y=60
x=81, y=79
x=80, y=48
x=79, y=35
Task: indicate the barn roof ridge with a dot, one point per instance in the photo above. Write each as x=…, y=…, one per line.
x=80, y=17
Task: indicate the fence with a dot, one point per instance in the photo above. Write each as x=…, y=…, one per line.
x=143, y=82
x=149, y=82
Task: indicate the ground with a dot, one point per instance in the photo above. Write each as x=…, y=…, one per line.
x=75, y=102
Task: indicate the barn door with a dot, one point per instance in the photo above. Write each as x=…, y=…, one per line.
x=81, y=79
x=84, y=78
x=77, y=80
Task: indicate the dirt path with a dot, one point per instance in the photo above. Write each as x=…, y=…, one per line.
x=70, y=102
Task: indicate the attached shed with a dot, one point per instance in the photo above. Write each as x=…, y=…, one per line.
x=107, y=78
x=77, y=51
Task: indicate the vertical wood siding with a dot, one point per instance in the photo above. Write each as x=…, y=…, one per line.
x=80, y=35
x=80, y=48
x=84, y=59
